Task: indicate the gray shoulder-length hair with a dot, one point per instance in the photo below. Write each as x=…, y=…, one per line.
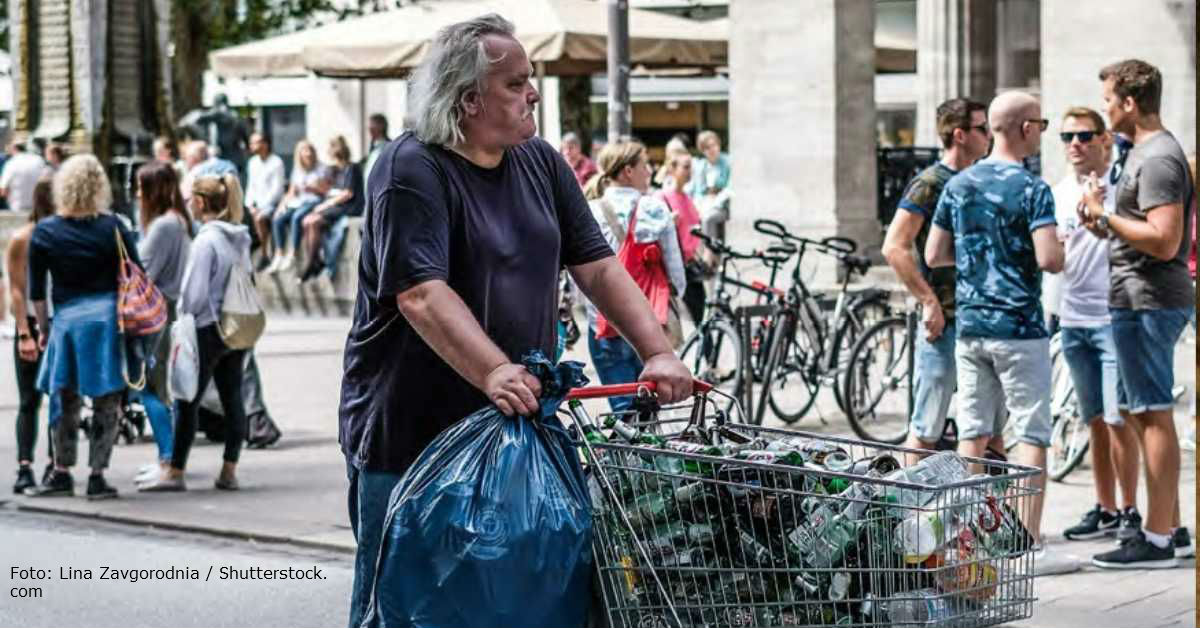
x=457, y=62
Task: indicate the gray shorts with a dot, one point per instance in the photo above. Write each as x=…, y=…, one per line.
x=999, y=375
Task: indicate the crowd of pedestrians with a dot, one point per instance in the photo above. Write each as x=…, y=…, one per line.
x=1113, y=239
x=449, y=296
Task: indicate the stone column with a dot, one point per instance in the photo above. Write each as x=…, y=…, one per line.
x=802, y=111
x=956, y=57
x=1160, y=32
x=90, y=72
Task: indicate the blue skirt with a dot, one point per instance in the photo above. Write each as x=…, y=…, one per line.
x=85, y=352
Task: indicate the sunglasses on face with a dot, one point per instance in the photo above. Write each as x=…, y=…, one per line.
x=1042, y=123
x=982, y=128
x=1084, y=136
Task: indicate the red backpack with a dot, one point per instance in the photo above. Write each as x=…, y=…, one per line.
x=644, y=263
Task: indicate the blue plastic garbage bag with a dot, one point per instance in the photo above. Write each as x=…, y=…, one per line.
x=491, y=526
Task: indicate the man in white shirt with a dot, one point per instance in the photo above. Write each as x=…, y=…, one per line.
x=265, y=185
x=1087, y=338
x=21, y=173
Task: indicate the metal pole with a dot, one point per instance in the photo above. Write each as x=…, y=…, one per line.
x=620, y=116
x=540, y=69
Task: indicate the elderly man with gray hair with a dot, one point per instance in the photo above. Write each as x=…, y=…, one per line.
x=572, y=150
x=469, y=219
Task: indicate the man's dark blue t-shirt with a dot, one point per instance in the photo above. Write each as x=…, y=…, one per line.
x=498, y=238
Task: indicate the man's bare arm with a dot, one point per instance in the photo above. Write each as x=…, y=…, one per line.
x=939, y=249
x=1159, y=236
x=1047, y=249
x=897, y=250
x=447, y=325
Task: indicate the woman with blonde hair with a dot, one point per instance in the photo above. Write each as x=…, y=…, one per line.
x=620, y=203
x=84, y=354
x=710, y=183
x=308, y=186
x=27, y=356
x=344, y=199
x=221, y=246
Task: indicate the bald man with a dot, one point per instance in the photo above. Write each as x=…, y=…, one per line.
x=995, y=223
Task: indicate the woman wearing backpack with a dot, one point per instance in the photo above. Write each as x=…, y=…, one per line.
x=630, y=218
x=166, y=239
x=221, y=248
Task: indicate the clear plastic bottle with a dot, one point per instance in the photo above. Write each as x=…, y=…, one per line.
x=923, y=607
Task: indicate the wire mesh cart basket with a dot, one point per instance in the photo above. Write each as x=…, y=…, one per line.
x=701, y=521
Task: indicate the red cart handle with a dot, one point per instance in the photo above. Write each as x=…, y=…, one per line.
x=617, y=390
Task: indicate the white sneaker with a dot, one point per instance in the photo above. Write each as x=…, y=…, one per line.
x=286, y=263
x=1047, y=563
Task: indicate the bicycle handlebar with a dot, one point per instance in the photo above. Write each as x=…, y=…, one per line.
x=832, y=244
x=617, y=390
x=775, y=255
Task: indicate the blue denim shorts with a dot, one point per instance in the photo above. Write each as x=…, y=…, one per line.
x=998, y=375
x=934, y=381
x=1145, y=342
x=1092, y=359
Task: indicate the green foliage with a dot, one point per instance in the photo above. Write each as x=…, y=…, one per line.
x=259, y=19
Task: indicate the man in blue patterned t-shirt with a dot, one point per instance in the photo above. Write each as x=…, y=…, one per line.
x=995, y=222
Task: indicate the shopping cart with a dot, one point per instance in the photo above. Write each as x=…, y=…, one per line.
x=705, y=522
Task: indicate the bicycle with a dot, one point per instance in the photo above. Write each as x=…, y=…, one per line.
x=716, y=349
x=815, y=333
x=878, y=386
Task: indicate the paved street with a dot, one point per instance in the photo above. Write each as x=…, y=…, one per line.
x=66, y=546
x=295, y=492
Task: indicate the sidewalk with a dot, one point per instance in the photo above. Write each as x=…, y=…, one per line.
x=296, y=491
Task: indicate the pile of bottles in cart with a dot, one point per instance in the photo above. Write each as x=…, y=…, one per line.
x=744, y=526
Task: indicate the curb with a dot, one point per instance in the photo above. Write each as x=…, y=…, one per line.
x=182, y=527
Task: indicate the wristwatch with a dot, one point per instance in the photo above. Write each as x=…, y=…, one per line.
x=1102, y=219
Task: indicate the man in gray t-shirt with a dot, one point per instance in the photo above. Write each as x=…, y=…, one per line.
x=1150, y=299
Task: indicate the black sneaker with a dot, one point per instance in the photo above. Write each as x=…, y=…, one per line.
x=99, y=489
x=1137, y=553
x=24, y=480
x=1131, y=524
x=47, y=472
x=1095, y=524
x=264, y=263
x=1182, y=541
x=59, y=484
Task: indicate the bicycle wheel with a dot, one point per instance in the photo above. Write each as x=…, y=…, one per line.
x=878, y=382
x=792, y=389
x=713, y=353
x=860, y=315
x=1069, y=442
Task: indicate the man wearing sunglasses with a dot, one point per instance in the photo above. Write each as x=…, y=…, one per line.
x=1151, y=296
x=1080, y=296
x=995, y=223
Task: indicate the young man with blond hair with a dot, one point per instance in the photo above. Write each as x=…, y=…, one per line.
x=1087, y=339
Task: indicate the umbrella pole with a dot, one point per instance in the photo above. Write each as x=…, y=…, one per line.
x=540, y=69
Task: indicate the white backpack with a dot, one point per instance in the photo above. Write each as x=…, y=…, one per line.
x=242, y=318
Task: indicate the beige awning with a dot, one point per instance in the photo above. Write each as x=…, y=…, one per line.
x=275, y=56
x=568, y=36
